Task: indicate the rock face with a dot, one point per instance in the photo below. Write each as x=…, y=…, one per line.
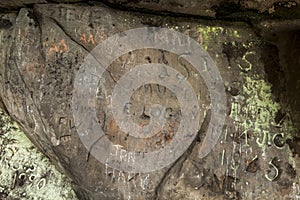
x=203, y=8
x=43, y=49
x=19, y=3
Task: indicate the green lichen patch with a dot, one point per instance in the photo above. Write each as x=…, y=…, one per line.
x=25, y=173
x=255, y=111
x=263, y=140
x=212, y=34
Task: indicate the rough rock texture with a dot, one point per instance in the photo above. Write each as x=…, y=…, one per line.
x=25, y=173
x=14, y=4
x=208, y=8
x=204, y=8
x=256, y=156
x=285, y=35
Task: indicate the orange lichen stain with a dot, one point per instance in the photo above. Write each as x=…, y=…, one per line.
x=83, y=38
x=60, y=48
x=63, y=46
x=90, y=39
x=53, y=48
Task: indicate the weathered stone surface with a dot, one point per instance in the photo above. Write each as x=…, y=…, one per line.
x=285, y=35
x=208, y=8
x=13, y=4
x=204, y=8
x=43, y=49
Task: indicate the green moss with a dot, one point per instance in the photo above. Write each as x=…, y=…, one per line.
x=254, y=111
x=258, y=111
x=25, y=173
x=208, y=34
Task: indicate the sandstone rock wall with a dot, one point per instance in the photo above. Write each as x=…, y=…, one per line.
x=256, y=157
